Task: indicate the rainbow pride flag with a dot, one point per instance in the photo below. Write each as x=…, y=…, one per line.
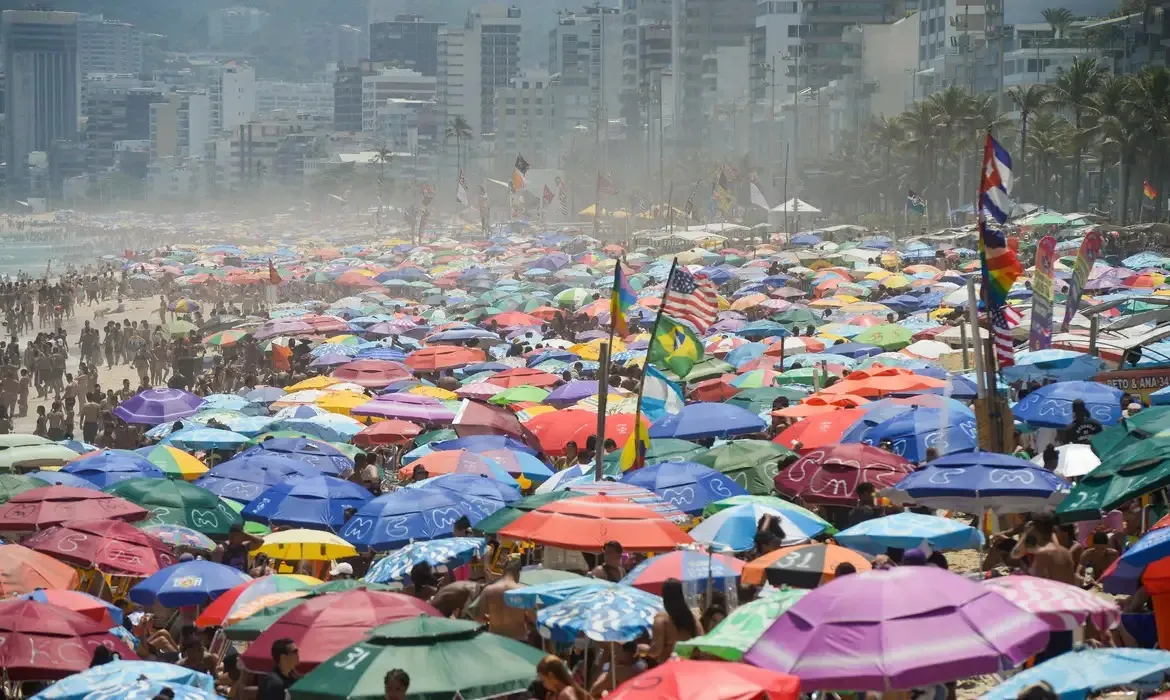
x=620, y=301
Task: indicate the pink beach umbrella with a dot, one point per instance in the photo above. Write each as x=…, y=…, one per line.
x=1063, y=607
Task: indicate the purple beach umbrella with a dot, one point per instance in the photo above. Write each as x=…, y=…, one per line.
x=156, y=406
x=331, y=359
x=406, y=407
x=572, y=392
x=895, y=630
x=284, y=326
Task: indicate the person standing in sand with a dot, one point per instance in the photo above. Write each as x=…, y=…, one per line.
x=503, y=619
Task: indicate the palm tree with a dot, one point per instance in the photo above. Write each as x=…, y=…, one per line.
x=1027, y=101
x=1123, y=132
x=461, y=131
x=1074, y=91
x=1059, y=18
x=1048, y=140
x=383, y=156
x=1150, y=102
x=886, y=134
x=1107, y=105
x=921, y=127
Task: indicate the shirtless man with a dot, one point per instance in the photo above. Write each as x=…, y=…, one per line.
x=1049, y=559
x=490, y=608
x=610, y=569
x=1097, y=558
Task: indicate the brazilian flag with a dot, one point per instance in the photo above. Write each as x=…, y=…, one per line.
x=674, y=346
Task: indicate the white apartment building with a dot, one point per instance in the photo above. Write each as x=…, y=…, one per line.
x=273, y=96
x=459, y=77
x=780, y=20
x=180, y=125
x=393, y=84
x=232, y=89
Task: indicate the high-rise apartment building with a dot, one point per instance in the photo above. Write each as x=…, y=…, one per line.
x=180, y=125
x=702, y=27
x=497, y=29
x=108, y=46
x=392, y=84
x=457, y=89
x=115, y=113
x=234, y=28
x=43, y=96
x=585, y=50
x=347, y=95
x=231, y=87
x=407, y=41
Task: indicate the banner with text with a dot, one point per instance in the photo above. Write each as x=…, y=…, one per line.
x=1090, y=250
x=1043, y=291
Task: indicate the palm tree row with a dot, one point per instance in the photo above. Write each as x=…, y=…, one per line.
x=1087, y=141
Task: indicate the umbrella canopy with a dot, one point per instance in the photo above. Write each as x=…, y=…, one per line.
x=317, y=503
x=1063, y=607
x=308, y=545
x=908, y=627
x=1129, y=473
x=1051, y=406
x=175, y=463
x=187, y=583
x=324, y=625
x=373, y=374
x=108, y=467
x=23, y=570
x=92, y=607
x=690, y=486
x=52, y=505
x=685, y=679
x=425, y=513
x=110, y=546
x=1073, y=460
x=225, y=606
x=442, y=554
x=173, y=502
x=801, y=566
x=1075, y=675
x=912, y=433
x=155, y=406
x=693, y=568
x=735, y=528
x=46, y=642
x=909, y=530
x=179, y=536
x=446, y=658
x=587, y=523
x=830, y=475
x=972, y=481
x=603, y=614
x=753, y=464
x=118, y=675
x=244, y=478
x=704, y=420
x=315, y=453
x=743, y=627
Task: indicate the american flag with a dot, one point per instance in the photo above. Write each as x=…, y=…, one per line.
x=690, y=298
x=563, y=197
x=640, y=201
x=1003, y=319
x=605, y=185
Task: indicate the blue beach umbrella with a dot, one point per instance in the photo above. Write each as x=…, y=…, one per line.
x=63, y=479
x=330, y=427
x=187, y=583
x=519, y=463
x=314, y=453
x=907, y=531
x=546, y=594
x=618, y=614
x=1051, y=406
x=448, y=552
x=913, y=432
x=118, y=675
x=235, y=422
x=200, y=438
x=315, y=503
x=1053, y=364
x=689, y=486
x=972, y=481
x=1074, y=675
x=705, y=419
x=395, y=519
x=243, y=478
x=735, y=528
x=108, y=467
x=228, y=402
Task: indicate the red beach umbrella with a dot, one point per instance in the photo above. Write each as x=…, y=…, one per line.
x=110, y=546
x=47, y=506
x=43, y=642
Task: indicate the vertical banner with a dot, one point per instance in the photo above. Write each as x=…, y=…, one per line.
x=1043, y=291
x=1090, y=249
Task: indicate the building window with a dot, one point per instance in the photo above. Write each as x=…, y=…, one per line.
x=921, y=53
x=510, y=112
x=793, y=31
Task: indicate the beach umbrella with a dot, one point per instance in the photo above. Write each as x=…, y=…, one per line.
x=974, y=481
x=690, y=486
x=386, y=432
x=908, y=627
x=314, y=453
x=223, y=608
x=244, y=477
x=885, y=336
x=801, y=566
x=446, y=658
x=1065, y=608
x=42, y=641
x=23, y=570
x=589, y=522
x=704, y=420
x=822, y=430
x=187, y=583
x=537, y=595
x=92, y=607
x=179, y=503
x=753, y=464
x=695, y=569
x=743, y=626
x=198, y=437
x=557, y=429
x=24, y=457
x=442, y=554
x=1077, y=674
x=438, y=357
x=411, y=407
x=606, y=614
x=908, y=531
x=110, y=546
x=685, y=679
x=108, y=467
x=316, y=502
x=155, y=406
x=44, y=507
x=1129, y=430
x=400, y=517
x=1127, y=474
x=175, y=463
x=373, y=374
x=13, y=484
x=735, y=528
x=830, y=475
x=330, y=427
x=442, y=462
x=1053, y=365
x=518, y=463
x=147, y=690
x=178, y=536
x=1050, y=406
x=324, y=625
x=805, y=518
x=662, y=451
x=505, y=516
x=913, y=432
x=120, y=674
x=225, y=338
x=308, y=545
x=1073, y=460
x=224, y=402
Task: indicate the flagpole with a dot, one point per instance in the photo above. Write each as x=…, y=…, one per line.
x=597, y=206
x=649, y=347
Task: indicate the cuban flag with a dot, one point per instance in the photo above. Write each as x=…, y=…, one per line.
x=997, y=181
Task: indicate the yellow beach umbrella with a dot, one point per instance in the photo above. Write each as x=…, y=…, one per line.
x=434, y=392
x=341, y=402
x=316, y=382
x=307, y=545
x=592, y=350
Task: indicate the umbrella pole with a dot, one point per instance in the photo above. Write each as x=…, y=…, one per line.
x=602, y=399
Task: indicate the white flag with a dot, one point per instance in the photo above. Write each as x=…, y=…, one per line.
x=758, y=197
x=461, y=190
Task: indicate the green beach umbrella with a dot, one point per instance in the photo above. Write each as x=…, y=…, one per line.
x=506, y=516
x=753, y=464
x=1128, y=431
x=660, y=450
x=13, y=484
x=887, y=336
x=435, y=436
x=574, y=297
x=731, y=638
x=251, y=527
x=802, y=375
x=1131, y=473
x=181, y=327
x=710, y=367
x=519, y=394
x=446, y=659
x=759, y=400
x=175, y=502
